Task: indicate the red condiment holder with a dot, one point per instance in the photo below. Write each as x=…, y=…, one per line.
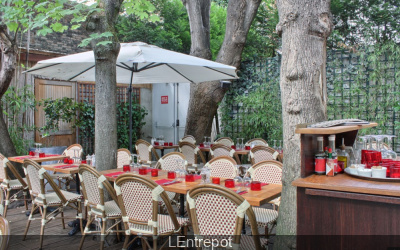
x=31, y=153
x=229, y=183
x=84, y=162
x=41, y=155
x=216, y=180
x=126, y=168
x=171, y=144
x=66, y=160
x=233, y=147
x=154, y=172
x=156, y=143
x=70, y=161
x=171, y=175
x=247, y=147
x=201, y=145
x=255, y=186
x=142, y=170
x=165, y=143
x=211, y=145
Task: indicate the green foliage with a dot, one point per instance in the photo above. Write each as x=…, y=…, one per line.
x=252, y=107
x=364, y=22
x=173, y=31
x=15, y=102
x=363, y=85
x=138, y=114
x=81, y=116
x=42, y=16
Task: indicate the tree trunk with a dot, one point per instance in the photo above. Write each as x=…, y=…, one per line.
x=304, y=26
x=204, y=97
x=9, y=51
x=106, y=86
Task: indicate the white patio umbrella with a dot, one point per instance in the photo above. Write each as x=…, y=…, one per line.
x=137, y=63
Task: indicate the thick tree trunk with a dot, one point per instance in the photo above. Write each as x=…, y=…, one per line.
x=204, y=97
x=304, y=26
x=106, y=86
x=8, y=64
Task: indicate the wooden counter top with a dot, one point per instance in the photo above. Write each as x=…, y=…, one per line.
x=302, y=129
x=346, y=183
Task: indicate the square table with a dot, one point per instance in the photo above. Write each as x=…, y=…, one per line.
x=162, y=148
x=255, y=198
x=20, y=159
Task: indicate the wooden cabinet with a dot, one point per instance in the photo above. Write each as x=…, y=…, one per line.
x=343, y=212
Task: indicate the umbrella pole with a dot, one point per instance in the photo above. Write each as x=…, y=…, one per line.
x=130, y=114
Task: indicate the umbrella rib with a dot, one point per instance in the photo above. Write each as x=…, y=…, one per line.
x=150, y=66
x=126, y=67
x=31, y=70
x=220, y=72
x=80, y=73
x=179, y=73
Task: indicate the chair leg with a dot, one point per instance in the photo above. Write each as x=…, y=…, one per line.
x=28, y=223
x=6, y=202
x=25, y=200
x=118, y=236
x=102, y=234
x=89, y=221
x=155, y=246
x=62, y=219
x=42, y=227
x=126, y=242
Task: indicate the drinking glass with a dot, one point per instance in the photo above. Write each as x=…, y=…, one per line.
x=280, y=149
x=209, y=141
x=255, y=186
x=246, y=178
x=369, y=141
x=238, y=183
x=238, y=143
x=390, y=152
x=275, y=145
x=242, y=144
x=180, y=170
x=205, y=141
x=37, y=149
x=364, y=141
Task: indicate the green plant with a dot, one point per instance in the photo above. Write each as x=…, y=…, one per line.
x=15, y=103
x=138, y=114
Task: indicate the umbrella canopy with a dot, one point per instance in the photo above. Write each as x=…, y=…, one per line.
x=137, y=63
x=150, y=64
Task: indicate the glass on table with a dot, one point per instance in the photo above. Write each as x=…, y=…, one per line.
x=126, y=168
x=171, y=175
x=189, y=177
x=216, y=180
x=154, y=172
x=389, y=152
x=275, y=145
x=229, y=183
x=237, y=143
x=255, y=186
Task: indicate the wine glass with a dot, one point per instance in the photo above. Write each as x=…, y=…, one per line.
x=237, y=143
x=369, y=142
x=379, y=139
x=242, y=144
x=364, y=142
x=280, y=150
x=135, y=165
x=390, y=152
x=357, y=152
x=209, y=141
x=37, y=149
x=76, y=156
x=246, y=178
x=205, y=141
x=238, y=183
x=275, y=144
x=180, y=170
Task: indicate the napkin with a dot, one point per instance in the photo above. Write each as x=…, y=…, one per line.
x=24, y=157
x=66, y=166
x=197, y=177
x=163, y=181
x=114, y=174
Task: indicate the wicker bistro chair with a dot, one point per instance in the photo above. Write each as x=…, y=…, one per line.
x=225, y=141
x=222, y=150
x=263, y=153
x=123, y=157
x=94, y=187
x=188, y=138
x=67, y=178
x=138, y=198
x=9, y=185
x=145, y=150
x=218, y=213
x=256, y=142
x=5, y=233
x=223, y=167
x=59, y=199
x=267, y=172
x=168, y=162
x=191, y=153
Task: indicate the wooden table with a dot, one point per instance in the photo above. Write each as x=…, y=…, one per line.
x=74, y=170
x=255, y=198
x=162, y=148
x=20, y=159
